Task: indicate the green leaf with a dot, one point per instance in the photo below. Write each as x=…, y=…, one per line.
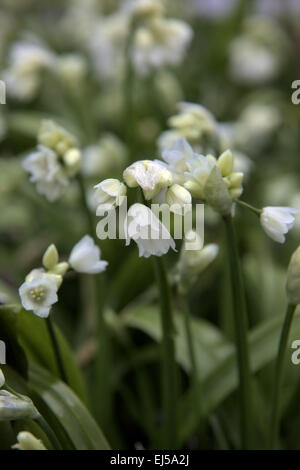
x=64, y=412
x=35, y=339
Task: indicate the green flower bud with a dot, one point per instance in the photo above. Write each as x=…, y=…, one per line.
x=216, y=192
x=50, y=258
x=225, y=163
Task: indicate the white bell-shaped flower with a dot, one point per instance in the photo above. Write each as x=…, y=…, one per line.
x=110, y=192
x=151, y=236
x=277, y=221
x=85, y=257
x=39, y=292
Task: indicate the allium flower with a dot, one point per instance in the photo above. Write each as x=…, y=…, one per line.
x=159, y=43
x=39, y=292
x=85, y=257
x=110, y=193
x=199, y=169
x=277, y=221
x=46, y=172
x=147, y=231
x=14, y=407
x=151, y=176
x=2, y=379
x=27, y=441
x=178, y=199
x=177, y=157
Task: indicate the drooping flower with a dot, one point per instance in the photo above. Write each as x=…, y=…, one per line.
x=39, y=292
x=27, y=441
x=110, y=192
x=160, y=42
x=277, y=221
x=85, y=257
x=151, y=236
x=14, y=407
x=151, y=176
x=178, y=198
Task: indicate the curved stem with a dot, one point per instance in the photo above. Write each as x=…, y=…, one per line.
x=56, y=349
x=241, y=326
x=275, y=413
x=49, y=432
x=169, y=362
x=248, y=206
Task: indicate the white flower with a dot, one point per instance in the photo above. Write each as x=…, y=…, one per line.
x=277, y=221
x=55, y=137
x=147, y=231
x=110, y=192
x=199, y=169
x=160, y=42
x=2, y=379
x=177, y=157
x=27, y=441
x=46, y=172
x=14, y=407
x=85, y=257
x=39, y=292
x=151, y=176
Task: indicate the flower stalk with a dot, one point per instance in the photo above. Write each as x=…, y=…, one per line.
x=168, y=357
x=279, y=369
x=241, y=326
x=56, y=350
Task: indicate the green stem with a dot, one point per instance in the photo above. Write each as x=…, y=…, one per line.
x=241, y=326
x=248, y=206
x=128, y=87
x=89, y=216
x=191, y=347
x=168, y=359
x=49, y=432
x=56, y=349
x=279, y=369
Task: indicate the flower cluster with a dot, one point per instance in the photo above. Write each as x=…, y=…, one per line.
x=56, y=159
x=39, y=291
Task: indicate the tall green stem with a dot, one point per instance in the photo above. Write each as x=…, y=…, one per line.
x=241, y=326
x=56, y=349
x=279, y=369
x=168, y=359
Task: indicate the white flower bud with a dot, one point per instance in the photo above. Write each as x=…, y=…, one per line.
x=13, y=407
x=61, y=268
x=72, y=161
x=293, y=279
x=85, y=257
x=216, y=192
x=277, y=221
x=225, y=163
x=50, y=258
x=178, y=198
x=27, y=441
x=110, y=192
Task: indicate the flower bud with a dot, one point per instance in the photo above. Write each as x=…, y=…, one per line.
x=293, y=279
x=72, y=160
x=216, y=192
x=2, y=379
x=13, y=407
x=225, y=163
x=60, y=268
x=27, y=441
x=178, y=197
x=50, y=258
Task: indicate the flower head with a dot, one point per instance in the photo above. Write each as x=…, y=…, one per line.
x=147, y=231
x=39, y=292
x=277, y=221
x=151, y=176
x=85, y=257
x=110, y=193
x=27, y=441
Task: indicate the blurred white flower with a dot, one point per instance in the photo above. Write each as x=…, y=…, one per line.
x=85, y=257
x=26, y=61
x=2, y=379
x=160, y=42
x=110, y=193
x=251, y=62
x=199, y=169
x=71, y=68
x=176, y=158
x=38, y=293
x=108, y=154
x=151, y=176
x=27, y=441
x=147, y=231
x=46, y=172
x=277, y=221
x=55, y=137
x=13, y=407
